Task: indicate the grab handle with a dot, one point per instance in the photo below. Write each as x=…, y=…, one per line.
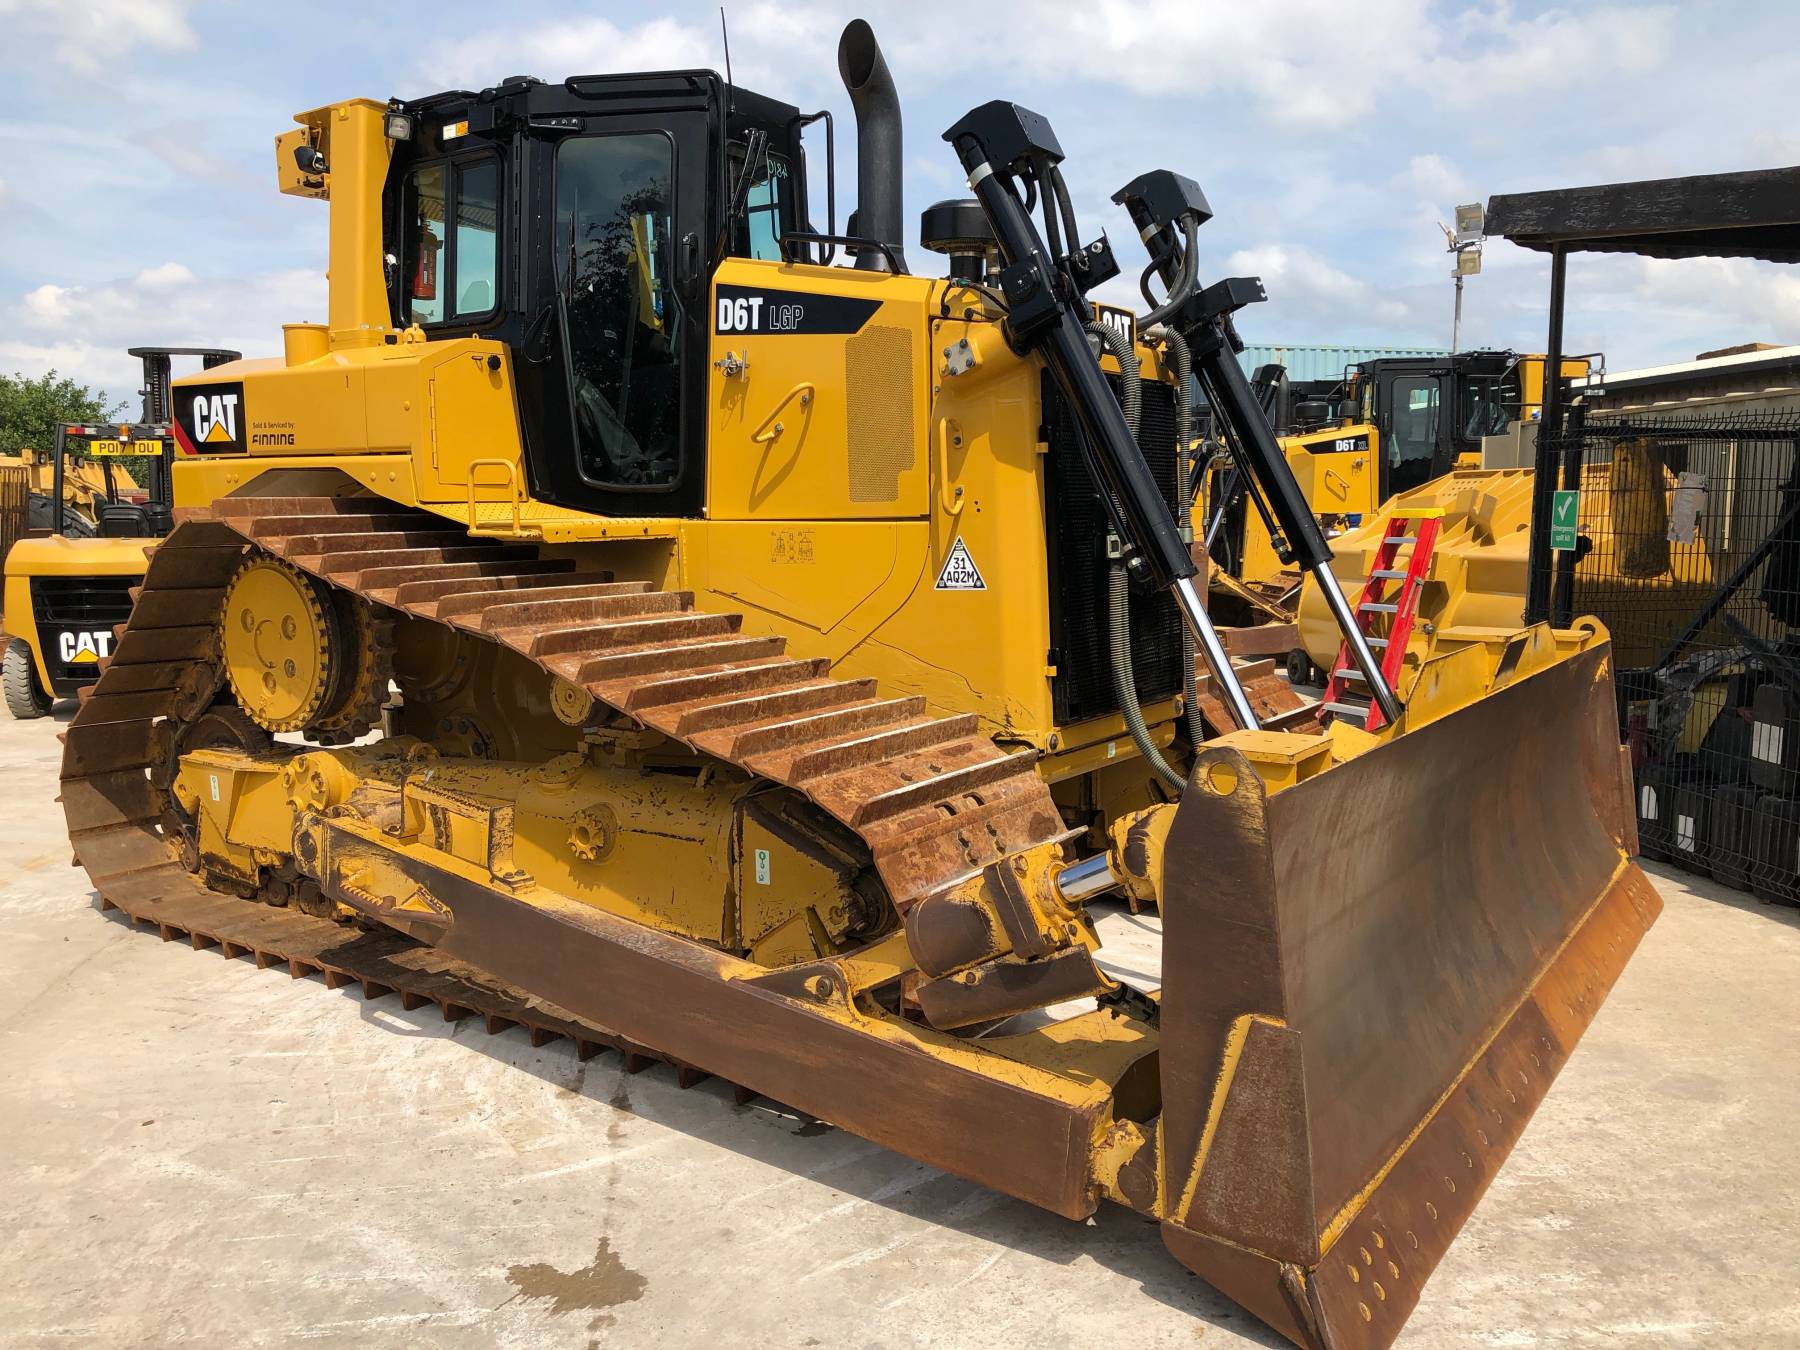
x=770, y=429
x=950, y=501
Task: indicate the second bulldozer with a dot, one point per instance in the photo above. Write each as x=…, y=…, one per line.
x=734, y=620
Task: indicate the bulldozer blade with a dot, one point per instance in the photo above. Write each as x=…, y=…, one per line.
x=1370, y=981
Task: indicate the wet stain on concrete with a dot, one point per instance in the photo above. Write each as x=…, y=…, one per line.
x=603, y=1283
x=574, y=1089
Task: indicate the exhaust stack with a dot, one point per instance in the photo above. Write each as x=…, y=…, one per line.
x=880, y=209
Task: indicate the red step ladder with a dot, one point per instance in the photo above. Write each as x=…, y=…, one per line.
x=1374, y=604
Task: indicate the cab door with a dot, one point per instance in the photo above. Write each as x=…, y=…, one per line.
x=613, y=375
x=1411, y=428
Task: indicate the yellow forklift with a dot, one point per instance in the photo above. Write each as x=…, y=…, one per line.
x=68, y=583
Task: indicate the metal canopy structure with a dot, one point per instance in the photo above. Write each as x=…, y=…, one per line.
x=1717, y=215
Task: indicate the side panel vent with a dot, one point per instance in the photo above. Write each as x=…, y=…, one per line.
x=878, y=378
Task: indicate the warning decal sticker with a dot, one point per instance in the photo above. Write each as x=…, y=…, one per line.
x=959, y=572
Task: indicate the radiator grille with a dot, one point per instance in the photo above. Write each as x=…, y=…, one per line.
x=879, y=377
x=1076, y=525
x=78, y=607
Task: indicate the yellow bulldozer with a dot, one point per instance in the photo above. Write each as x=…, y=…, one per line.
x=639, y=615
x=1385, y=429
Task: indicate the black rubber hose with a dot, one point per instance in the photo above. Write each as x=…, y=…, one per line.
x=1183, y=288
x=1183, y=361
x=1065, y=207
x=1118, y=584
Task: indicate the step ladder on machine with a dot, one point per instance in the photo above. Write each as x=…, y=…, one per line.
x=1376, y=606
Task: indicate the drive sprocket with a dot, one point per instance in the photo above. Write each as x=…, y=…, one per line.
x=287, y=649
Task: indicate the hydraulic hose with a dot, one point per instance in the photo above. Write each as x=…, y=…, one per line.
x=1183, y=361
x=1183, y=288
x=1118, y=584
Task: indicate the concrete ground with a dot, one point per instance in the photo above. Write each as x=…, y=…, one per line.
x=196, y=1152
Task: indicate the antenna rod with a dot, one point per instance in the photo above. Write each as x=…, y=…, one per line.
x=725, y=36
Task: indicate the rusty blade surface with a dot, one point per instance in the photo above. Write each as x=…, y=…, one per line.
x=1371, y=979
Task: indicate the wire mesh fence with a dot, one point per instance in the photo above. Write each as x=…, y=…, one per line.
x=1688, y=548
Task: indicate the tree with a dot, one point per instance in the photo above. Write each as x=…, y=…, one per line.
x=30, y=408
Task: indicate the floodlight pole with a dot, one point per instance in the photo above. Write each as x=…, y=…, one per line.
x=1465, y=238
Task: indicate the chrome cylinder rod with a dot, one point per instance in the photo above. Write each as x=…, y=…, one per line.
x=1360, y=652
x=1081, y=881
x=1193, y=613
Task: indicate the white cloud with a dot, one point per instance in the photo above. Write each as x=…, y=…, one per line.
x=1300, y=280
x=587, y=46
x=163, y=276
x=86, y=34
x=1435, y=178
x=1330, y=137
x=83, y=330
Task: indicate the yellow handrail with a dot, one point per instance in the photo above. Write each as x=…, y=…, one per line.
x=511, y=484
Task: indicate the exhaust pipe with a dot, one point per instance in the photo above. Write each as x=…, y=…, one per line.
x=880, y=210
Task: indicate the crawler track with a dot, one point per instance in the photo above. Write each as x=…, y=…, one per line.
x=932, y=797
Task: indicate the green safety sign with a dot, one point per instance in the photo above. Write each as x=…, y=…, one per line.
x=1565, y=511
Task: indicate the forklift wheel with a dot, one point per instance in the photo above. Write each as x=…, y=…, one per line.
x=1300, y=669
x=25, y=698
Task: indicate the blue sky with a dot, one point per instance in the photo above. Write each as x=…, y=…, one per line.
x=137, y=186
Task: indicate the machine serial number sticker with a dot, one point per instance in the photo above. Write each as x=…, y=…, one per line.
x=762, y=867
x=959, y=571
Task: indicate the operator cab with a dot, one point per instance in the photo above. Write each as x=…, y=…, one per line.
x=1430, y=410
x=580, y=223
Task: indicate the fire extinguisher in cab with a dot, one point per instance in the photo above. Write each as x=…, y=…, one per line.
x=424, y=285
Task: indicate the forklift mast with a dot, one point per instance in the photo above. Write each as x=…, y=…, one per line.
x=116, y=517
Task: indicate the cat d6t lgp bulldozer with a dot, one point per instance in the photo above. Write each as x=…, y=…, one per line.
x=641, y=616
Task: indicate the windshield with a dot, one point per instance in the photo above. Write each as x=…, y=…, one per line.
x=613, y=267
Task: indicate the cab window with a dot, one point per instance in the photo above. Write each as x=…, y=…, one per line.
x=768, y=207
x=454, y=243
x=1487, y=407
x=615, y=275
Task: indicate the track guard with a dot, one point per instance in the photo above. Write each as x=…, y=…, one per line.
x=1370, y=981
